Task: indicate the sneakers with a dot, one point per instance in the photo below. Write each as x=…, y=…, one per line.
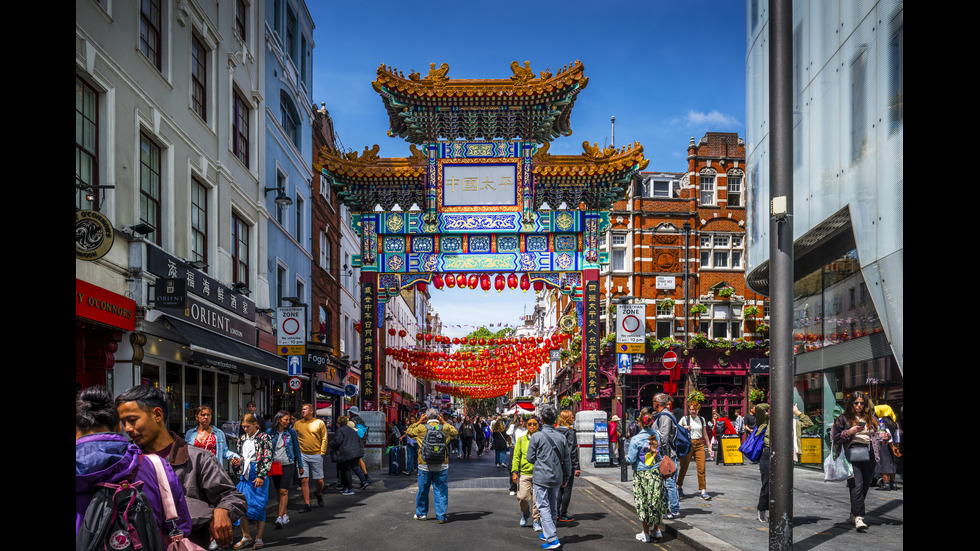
x=513, y=493
x=644, y=537
x=443, y=521
x=565, y=518
x=657, y=535
x=553, y=545
x=542, y=538
x=305, y=508
x=705, y=496
x=850, y=519
x=285, y=520
x=347, y=492
x=418, y=517
x=860, y=525
x=319, y=500
x=672, y=515
x=763, y=516
x=366, y=483
x=537, y=526
x=278, y=523
x=523, y=521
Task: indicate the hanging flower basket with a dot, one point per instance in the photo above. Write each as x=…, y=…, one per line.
x=577, y=397
x=726, y=292
x=750, y=311
x=757, y=396
x=696, y=397
x=699, y=309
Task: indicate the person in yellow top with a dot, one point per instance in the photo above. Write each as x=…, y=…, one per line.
x=521, y=473
x=312, y=434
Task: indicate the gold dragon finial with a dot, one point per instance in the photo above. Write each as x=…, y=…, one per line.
x=522, y=75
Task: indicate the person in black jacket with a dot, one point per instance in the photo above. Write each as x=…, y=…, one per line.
x=566, y=426
x=345, y=449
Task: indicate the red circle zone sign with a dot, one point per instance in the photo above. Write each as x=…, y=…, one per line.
x=670, y=359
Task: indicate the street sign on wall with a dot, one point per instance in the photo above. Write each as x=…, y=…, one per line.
x=291, y=327
x=631, y=328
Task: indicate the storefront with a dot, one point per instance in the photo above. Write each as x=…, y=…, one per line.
x=102, y=319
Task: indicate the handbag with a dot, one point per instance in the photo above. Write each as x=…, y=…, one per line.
x=895, y=450
x=276, y=469
x=857, y=454
x=836, y=469
x=667, y=467
x=175, y=540
x=752, y=447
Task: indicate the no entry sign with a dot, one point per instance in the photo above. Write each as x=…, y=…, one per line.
x=670, y=359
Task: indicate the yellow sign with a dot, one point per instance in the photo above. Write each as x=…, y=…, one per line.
x=729, y=447
x=630, y=348
x=293, y=350
x=811, y=450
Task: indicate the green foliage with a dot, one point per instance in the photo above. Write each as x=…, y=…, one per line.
x=481, y=406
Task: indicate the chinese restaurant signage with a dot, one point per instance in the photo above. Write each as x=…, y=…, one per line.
x=591, y=340
x=97, y=304
x=368, y=346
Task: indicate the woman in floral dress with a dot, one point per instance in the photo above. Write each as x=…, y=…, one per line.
x=648, y=484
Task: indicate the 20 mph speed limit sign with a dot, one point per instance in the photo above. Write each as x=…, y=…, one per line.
x=631, y=327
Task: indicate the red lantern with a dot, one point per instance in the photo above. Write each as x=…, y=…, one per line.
x=472, y=342
x=391, y=331
x=474, y=281
x=525, y=283
x=482, y=342
x=455, y=340
x=357, y=326
x=461, y=280
x=418, y=336
x=428, y=337
x=437, y=281
x=450, y=281
x=498, y=283
x=402, y=333
x=421, y=286
x=485, y=282
x=538, y=285
x=512, y=281
x=492, y=342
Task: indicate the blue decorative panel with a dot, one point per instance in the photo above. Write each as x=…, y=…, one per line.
x=564, y=261
x=422, y=244
x=565, y=243
x=528, y=262
x=451, y=244
x=394, y=244
x=394, y=223
x=507, y=244
x=537, y=244
x=458, y=223
x=394, y=263
x=479, y=244
x=564, y=220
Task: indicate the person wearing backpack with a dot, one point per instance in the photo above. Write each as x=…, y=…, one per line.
x=103, y=456
x=698, y=427
x=666, y=425
x=432, y=433
x=648, y=483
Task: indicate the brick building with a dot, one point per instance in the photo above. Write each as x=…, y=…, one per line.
x=676, y=242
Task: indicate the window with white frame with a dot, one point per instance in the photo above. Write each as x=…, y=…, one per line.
x=151, y=32
x=722, y=250
x=719, y=324
x=618, y=256
x=707, y=189
x=662, y=188
x=735, y=190
x=324, y=252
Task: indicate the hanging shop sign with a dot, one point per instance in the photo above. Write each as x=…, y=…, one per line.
x=170, y=293
x=97, y=304
x=93, y=235
x=166, y=266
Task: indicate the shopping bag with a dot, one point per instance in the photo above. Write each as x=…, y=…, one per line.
x=752, y=447
x=837, y=469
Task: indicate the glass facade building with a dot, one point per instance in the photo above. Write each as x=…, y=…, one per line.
x=848, y=147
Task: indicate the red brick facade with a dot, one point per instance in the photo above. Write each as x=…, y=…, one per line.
x=326, y=227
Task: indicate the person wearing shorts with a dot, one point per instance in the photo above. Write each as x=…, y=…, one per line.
x=286, y=452
x=312, y=434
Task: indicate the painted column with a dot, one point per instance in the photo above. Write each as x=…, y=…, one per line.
x=590, y=340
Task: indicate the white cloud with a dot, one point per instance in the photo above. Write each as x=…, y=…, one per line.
x=714, y=118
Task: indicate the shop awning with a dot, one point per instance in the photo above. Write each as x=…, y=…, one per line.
x=227, y=354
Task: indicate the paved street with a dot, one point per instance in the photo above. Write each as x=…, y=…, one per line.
x=482, y=515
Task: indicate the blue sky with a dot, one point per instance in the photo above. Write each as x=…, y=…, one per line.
x=666, y=69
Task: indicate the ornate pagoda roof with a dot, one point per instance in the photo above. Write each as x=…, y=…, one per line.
x=365, y=180
x=598, y=176
x=525, y=107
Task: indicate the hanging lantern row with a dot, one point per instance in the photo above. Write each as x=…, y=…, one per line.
x=483, y=281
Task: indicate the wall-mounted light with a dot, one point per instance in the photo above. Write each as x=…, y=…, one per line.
x=198, y=264
x=282, y=199
x=240, y=288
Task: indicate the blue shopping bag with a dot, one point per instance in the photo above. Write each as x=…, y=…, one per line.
x=752, y=447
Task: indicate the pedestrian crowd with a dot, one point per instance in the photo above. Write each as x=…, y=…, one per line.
x=193, y=501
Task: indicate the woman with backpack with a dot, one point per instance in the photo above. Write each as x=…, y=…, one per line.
x=649, y=490
x=105, y=456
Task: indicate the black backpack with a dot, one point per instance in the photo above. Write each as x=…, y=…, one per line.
x=120, y=518
x=434, y=445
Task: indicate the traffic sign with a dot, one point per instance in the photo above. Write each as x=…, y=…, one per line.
x=632, y=323
x=670, y=359
x=291, y=326
x=295, y=365
x=631, y=348
x=295, y=383
x=294, y=350
x=625, y=363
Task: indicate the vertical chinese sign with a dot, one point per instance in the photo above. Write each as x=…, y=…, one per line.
x=368, y=334
x=591, y=352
